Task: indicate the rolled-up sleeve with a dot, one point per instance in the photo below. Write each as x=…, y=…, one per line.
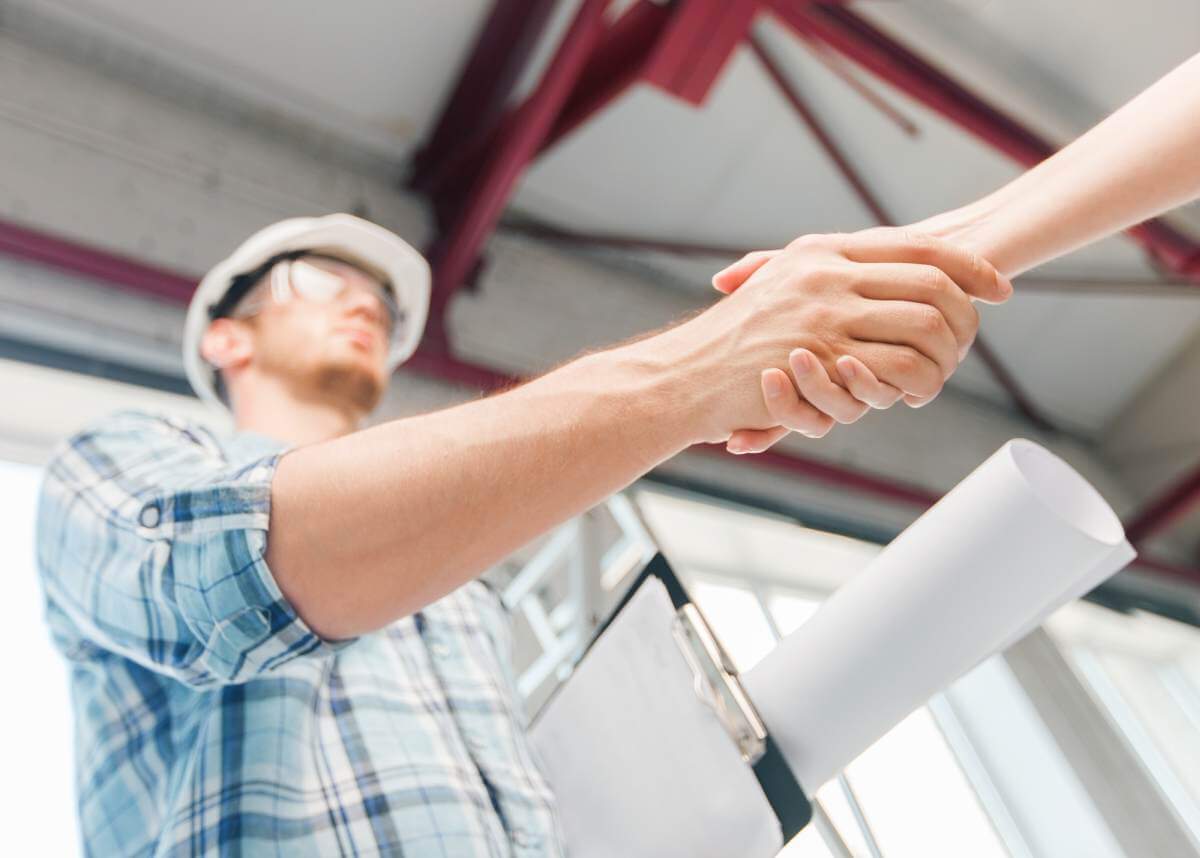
x=153, y=546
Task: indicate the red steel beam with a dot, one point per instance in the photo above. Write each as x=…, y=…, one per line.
x=1173, y=503
x=32, y=245
x=613, y=66
x=840, y=68
x=1166, y=569
x=501, y=52
x=456, y=255
x=1012, y=387
x=693, y=51
x=901, y=67
x=672, y=46
x=819, y=132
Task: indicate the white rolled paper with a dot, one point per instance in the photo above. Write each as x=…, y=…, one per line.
x=1018, y=538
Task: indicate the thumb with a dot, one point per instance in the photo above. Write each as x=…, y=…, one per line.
x=730, y=278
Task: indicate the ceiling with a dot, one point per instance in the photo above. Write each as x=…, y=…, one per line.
x=741, y=170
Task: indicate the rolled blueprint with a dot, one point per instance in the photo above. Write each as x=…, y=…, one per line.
x=1018, y=538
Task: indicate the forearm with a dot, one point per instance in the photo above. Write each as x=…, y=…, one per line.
x=373, y=526
x=1139, y=162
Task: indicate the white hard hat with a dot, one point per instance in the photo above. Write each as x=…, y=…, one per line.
x=341, y=235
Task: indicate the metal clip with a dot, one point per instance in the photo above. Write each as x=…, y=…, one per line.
x=716, y=683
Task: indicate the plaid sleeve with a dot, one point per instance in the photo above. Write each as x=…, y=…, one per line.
x=154, y=546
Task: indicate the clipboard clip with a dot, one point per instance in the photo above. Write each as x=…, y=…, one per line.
x=716, y=683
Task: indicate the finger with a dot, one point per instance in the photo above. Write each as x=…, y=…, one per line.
x=787, y=408
x=917, y=401
x=730, y=278
x=903, y=367
x=755, y=440
x=974, y=274
x=814, y=385
x=918, y=326
x=864, y=386
x=926, y=284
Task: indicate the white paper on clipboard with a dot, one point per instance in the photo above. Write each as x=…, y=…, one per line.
x=640, y=767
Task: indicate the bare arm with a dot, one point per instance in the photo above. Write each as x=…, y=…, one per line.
x=373, y=526
x=370, y=527
x=1142, y=160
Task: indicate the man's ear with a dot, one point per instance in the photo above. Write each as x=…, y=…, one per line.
x=227, y=344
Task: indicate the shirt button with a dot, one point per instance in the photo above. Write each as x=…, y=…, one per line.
x=439, y=649
x=150, y=515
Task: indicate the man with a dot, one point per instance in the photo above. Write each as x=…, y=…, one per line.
x=276, y=639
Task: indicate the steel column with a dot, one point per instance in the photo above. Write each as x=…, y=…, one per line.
x=694, y=49
x=454, y=257
x=501, y=52
x=614, y=66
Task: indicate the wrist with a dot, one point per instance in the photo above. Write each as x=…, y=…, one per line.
x=985, y=227
x=963, y=226
x=671, y=377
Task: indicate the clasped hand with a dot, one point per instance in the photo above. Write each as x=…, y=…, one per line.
x=900, y=320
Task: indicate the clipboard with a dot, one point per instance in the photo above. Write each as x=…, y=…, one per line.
x=653, y=747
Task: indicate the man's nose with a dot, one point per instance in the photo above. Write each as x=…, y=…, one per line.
x=359, y=302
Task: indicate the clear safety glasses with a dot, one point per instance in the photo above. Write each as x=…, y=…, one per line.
x=324, y=280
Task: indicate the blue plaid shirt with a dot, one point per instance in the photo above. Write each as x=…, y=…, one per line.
x=210, y=719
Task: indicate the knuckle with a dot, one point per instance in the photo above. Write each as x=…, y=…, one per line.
x=809, y=241
x=821, y=317
x=906, y=362
x=933, y=280
x=815, y=277
x=930, y=320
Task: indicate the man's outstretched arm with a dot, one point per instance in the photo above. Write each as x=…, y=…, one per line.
x=373, y=526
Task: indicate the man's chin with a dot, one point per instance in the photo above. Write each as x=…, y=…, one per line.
x=354, y=384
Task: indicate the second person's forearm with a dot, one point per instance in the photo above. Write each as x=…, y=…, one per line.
x=1139, y=162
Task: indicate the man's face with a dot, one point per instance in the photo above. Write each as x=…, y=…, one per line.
x=333, y=349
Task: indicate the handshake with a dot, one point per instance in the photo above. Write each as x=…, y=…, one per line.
x=829, y=327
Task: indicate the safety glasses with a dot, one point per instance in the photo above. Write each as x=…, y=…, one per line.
x=323, y=280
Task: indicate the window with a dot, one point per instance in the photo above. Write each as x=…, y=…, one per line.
x=37, y=735
x=37, y=739
x=1144, y=671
